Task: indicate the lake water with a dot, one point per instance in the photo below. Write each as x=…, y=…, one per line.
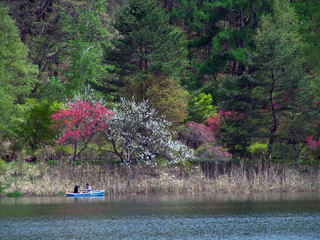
x=223, y=216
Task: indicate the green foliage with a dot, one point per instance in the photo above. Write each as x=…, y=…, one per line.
x=86, y=32
x=201, y=107
x=220, y=33
x=234, y=137
x=163, y=93
x=62, y=194
x=17, y=74
x=275, y=93
x=63, y=150
x=258, y=149
x=40, y=28
x=281, y=72
x=14, y=194
x=2, y=166
x=147, y=43
x=150, y=57
x=308, y=13
x=35, y=129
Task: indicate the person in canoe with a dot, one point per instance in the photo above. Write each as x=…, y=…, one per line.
x=88, y=188
x=76, y=189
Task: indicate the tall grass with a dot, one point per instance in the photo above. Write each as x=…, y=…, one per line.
x=43, y=180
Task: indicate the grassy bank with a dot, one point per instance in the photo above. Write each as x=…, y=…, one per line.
x=44, y=180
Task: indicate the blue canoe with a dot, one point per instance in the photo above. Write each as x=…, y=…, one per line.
x=97, y=193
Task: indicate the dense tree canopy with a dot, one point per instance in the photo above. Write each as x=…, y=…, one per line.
x=246, y=73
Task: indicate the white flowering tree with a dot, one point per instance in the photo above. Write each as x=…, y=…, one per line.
x=138, y=134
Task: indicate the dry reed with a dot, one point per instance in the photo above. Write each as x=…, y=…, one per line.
x=43, y=180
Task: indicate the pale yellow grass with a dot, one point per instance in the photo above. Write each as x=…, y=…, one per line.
x=42, y=180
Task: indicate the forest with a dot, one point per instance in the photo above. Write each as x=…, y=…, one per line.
x=161, y=82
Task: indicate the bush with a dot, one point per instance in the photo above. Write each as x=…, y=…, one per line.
x=196, y=134
x=15, y=194
x=211, y=153
x=34, y=130
x=201, y=107
x=199, y=137
x=2, y=166
x=63, y=150
x=258, y=149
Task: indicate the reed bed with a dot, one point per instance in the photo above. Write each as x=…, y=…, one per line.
x=43, y=180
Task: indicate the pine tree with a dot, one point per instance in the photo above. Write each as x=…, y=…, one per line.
x=308, y=13
x=219, y=33
x=147, y=43
x=275, y=94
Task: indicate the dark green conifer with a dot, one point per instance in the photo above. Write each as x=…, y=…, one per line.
x=147, y=43
x=219, y=33
x=275, y=94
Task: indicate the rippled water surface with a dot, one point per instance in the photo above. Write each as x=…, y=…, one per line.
x=223, y=216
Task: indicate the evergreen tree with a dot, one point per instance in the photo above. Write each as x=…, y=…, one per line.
x=219, y=33
x=279, y=67
x=275, y=94
x=308, y=13
x=147, y=43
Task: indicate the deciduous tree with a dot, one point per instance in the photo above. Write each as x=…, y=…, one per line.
x=163, y=93
x=138, y=134
x=82, y=121
x=86, y=31
x=17, y=73
x=35, y=130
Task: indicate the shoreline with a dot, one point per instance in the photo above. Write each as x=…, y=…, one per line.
x=42, y=180
x=167, y=194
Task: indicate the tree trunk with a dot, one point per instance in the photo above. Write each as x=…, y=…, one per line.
x=145, y=60
x=275, y=121
x=75, y=152
x=141, y=60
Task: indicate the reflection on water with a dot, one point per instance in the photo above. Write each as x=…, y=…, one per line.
x=221, y=216
x=226, y=197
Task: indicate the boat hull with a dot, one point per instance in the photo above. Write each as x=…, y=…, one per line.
x=99, y=193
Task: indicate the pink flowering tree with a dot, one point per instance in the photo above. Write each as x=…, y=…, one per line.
x=215, y=123
x=201, y=138
x=196, y=134
x=313, y=139
x=82, y=122
x=313, y=142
